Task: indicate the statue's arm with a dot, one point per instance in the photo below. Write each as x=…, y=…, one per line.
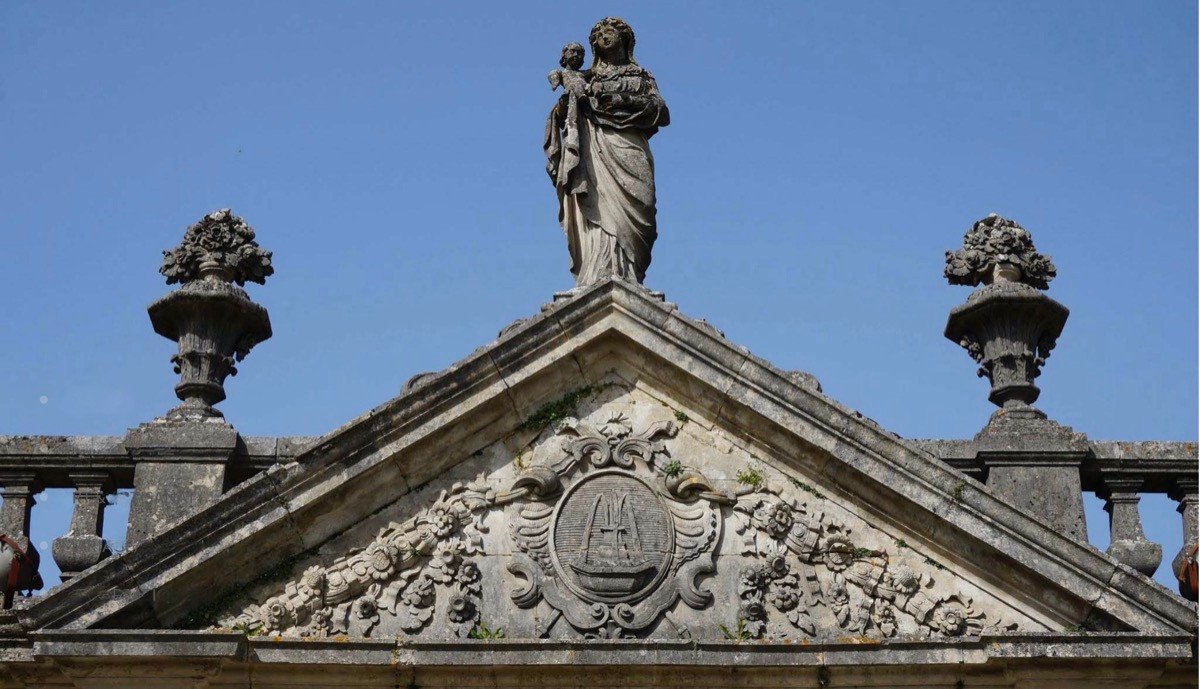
x=644, y=108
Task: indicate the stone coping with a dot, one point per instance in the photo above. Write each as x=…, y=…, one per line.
x=121, y=644
x=54, y=457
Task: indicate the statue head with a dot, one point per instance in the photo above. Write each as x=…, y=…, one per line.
x=572, y=56
x=612, y=39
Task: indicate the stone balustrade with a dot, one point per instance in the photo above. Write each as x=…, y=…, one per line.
x=1119, y=473
x=95, y=467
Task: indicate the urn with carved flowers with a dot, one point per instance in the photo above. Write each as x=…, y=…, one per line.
x=1008, y=326
x=214, y=321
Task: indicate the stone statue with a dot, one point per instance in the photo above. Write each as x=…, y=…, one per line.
x=598, y=152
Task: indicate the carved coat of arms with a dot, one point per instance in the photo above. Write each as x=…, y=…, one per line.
x=611, y=537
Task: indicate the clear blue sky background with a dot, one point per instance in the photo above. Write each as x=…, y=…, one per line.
x=821, y=158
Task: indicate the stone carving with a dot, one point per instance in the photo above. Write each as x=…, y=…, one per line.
x=996, y=247
x=221, y=244
x=214, y=322
x=806, y=567
x=1008, y=326
x=598, y=155
x=401, y=573
x=622, y=543
x=610, y=537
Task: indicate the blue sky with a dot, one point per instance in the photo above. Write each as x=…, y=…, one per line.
x=821, y=157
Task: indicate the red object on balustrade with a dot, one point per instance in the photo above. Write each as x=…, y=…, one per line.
x=22, y=572
x=1188, y=586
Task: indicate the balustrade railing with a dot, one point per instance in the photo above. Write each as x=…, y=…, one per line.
x=94, y=468
x=1119, y=473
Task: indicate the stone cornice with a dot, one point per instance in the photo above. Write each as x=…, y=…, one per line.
x=121, y=645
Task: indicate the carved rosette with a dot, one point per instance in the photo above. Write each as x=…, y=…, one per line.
x=1008, y=326
x=215, y=322
x=610, y=539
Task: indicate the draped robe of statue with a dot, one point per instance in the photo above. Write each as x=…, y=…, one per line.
x=599, y=157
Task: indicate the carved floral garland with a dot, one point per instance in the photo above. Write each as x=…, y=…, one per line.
x=807, y=561
x=401, y=571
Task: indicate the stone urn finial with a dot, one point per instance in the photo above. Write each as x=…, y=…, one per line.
x=214, y=321
x=1008, y=325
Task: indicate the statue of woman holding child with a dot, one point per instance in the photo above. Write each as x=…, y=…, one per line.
x=598, y=151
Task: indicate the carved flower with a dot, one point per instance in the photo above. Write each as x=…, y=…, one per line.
x=314, y=579
x=468, y=573
x=885, y=619
x=949, y=620
x=445, y=560
x=754, y=618
x=460, y=607
x=779, y=520
x=337, y=587
x=442, y=521
x=321, y=618
x=839, y=553
x=751, y=582
x=904, y=579
x=954, y=616
x=381, y=560
x=279, y=613
x=366, y=607
x=418, y=593
x=777, y=566
x=785, y=593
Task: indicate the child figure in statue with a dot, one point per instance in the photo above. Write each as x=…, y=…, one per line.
x=569, y=77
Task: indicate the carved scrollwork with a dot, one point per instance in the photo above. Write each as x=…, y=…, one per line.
x=625, y=540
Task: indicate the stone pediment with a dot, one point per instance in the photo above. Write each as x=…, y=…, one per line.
x=606, y=469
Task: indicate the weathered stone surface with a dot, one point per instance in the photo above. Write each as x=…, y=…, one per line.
x=179, y=470
x=421, y=507
x=1034, y=464
x=82, y=546
x=195, y=659
x=598, y=155
x=996, y=248
x=214, y=322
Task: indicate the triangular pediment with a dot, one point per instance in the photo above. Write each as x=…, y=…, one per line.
x=613, y=468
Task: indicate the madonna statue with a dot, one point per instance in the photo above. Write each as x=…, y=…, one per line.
x=598, y=151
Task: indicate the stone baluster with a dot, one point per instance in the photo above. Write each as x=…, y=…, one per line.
x=1185, y=493
x=19, y=488
x=84, y=545
x=180, y=459
x=1128, y=540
